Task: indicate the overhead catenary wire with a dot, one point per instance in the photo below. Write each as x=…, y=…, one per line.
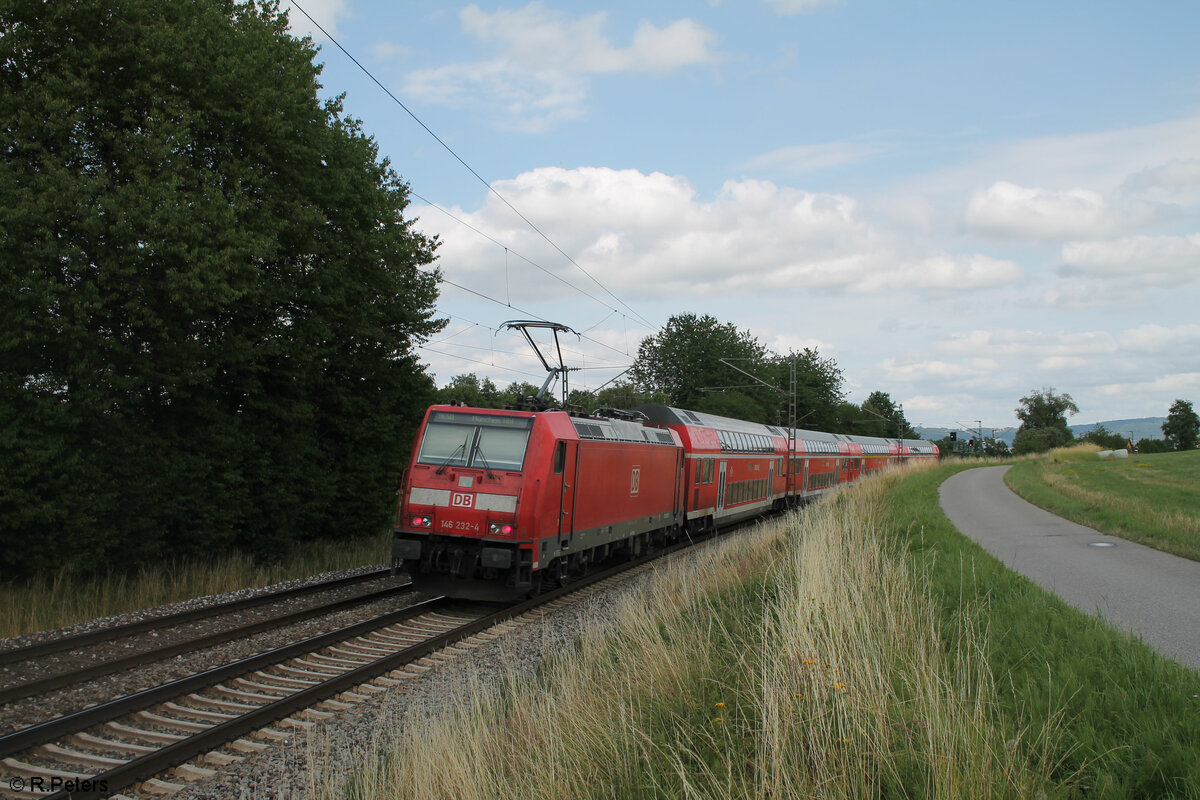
x=465, y=165
x=508, y=250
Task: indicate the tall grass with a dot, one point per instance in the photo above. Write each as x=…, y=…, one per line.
x=800, y=660
x=49, y=603
x=1129, y=718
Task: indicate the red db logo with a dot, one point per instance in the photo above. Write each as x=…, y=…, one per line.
x=462, y=500
x=635, y=481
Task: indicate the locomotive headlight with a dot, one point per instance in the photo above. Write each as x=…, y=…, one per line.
x=422, y=522
x=501, y=528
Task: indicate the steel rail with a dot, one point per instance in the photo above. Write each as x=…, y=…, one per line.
x=151, y=764
x=81, y=640
x=30, y=688
x=49, y=730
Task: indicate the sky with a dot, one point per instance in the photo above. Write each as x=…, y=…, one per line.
x=960, y=203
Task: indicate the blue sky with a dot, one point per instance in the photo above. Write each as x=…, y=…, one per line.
x=959, y=202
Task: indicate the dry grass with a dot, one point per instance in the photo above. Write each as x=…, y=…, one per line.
x=47, y=604
x=799, y=660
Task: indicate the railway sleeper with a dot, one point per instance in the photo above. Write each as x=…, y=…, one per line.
x=257, y=697
x=159, y=787
x=158, y=737
x=170, y=723
x=109, y=745
x=66, y=755
x=214, y=717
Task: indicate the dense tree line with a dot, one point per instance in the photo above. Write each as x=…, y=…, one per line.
x=703, y=364
x=210, y=297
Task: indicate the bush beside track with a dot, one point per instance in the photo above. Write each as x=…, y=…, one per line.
x=863, y=648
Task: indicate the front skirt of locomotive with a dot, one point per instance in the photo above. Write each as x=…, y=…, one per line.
x=470, y=569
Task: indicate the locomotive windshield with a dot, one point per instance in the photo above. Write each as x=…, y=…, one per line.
x=486, y=441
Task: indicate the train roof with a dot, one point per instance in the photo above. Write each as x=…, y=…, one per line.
x=666, y=415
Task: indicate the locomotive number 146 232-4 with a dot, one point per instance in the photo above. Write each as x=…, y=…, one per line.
x=457, y=525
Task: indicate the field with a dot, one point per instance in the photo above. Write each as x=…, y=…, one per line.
x=863, y=648
x=1150, y=499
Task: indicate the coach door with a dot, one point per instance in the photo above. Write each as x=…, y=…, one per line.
x=721, y=487
x=566, y=471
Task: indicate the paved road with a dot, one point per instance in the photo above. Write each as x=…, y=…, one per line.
x=1144, y=591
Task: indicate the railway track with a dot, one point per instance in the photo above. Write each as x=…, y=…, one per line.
x=119, y=659
x=106, y=748
x=161, y=738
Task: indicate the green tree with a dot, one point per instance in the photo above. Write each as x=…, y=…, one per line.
x=1153, y=446
x=1104, y=438
x=620, y=394
x=683, y=360
x=819, y=390
x=1043, y=416
x=683, y=364
x=210, y=296
x=469, y=390
x=880, y=416
x=1182, y=428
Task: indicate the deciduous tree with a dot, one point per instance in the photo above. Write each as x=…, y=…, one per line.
x=1182, y=428
x=1043, y=415
x=210, y=296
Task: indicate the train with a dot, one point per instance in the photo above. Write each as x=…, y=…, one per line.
x=501, y=504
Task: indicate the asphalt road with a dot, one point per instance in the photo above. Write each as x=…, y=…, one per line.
x=1151, y=594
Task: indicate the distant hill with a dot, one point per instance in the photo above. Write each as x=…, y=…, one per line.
x=1141, y=428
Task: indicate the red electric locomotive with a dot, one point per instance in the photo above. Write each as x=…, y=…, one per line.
x=497, y=504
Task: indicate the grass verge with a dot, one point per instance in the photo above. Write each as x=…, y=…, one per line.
x=807, y=659
x=1129, y=718
x=1152, y=499
x=46, y=604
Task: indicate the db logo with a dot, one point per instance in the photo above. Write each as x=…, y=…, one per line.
x=635, y=481
x=462, y=500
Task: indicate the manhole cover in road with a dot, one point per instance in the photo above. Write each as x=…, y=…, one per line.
x=1102, y=544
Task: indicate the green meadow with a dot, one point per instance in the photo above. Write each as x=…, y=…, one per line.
x=1151, y=499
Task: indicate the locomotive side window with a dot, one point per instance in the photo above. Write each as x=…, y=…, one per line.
x=484, y=441
x=560, y=457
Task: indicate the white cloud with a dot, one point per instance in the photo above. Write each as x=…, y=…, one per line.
x=390, y=51
x=538, y=38
x=1008, y=209
x=1152, y=338
x=1176, y=180
x=326, y=13
x=520, y=100
x=1178, y=384
x=1028, y=344
x=651, y=233
x=799, y=159
x=790, y=7
x=945, y=273
x=1159, y=260
x=537, y=78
